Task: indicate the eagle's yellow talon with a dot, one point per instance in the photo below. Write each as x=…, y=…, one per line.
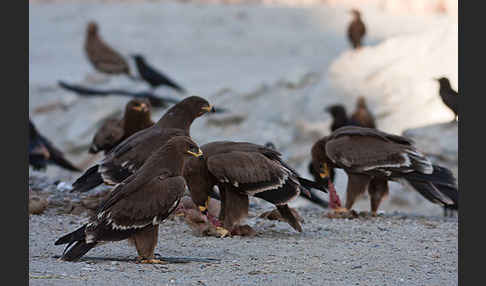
x=341, y=210
x=223, y=232
x=206, y=206
x=152, y=261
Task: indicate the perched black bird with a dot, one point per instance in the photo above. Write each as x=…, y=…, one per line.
x=154, y=77
x=449, y=96
x=356, y=29
x=339, y=116
x=42, y=152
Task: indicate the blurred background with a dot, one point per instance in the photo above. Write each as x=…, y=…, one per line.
x=273, y=65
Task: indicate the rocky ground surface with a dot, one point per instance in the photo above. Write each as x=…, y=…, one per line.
x=275, y=77
x=394, y=249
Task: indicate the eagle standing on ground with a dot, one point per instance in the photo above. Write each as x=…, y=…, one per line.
x=371, y=158
x=113, y=131
x=240, y=170
x=103, y=57
x=154, y=77
x=356, y=29
x=361, y=116
x=131, y=153
x=42, y=152
x=449, y=96
x=136, y=207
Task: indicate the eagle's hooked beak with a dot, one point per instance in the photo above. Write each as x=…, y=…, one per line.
x=141, y=107
x=209, y=108
x=204, y=209
x=324, y=171
x=198, y=154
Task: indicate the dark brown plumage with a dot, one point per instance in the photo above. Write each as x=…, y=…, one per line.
x=449, y=96
x=131, y=153
x=136, y=207
x=113, y=131
x=42, y=152
x=356, y=29
x=240, y=170
x=371, y=158
x=362, y=116
x=103, y=57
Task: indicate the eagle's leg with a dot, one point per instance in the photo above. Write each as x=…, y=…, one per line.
x=235, y=208
x=378, y=189
x=290, y=217
x=145, y=242
x=357, y=185
x=334, y=201
x=222, y=194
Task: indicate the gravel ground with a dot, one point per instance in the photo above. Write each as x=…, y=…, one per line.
x=394, y=249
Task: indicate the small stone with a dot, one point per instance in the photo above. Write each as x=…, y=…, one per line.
x=37, y=205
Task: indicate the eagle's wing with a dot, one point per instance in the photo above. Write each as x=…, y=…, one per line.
x=132, y=206
x=130, y=154
x=371, y=153
x=253, y=173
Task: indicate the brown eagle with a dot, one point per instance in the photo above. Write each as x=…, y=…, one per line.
x=356, y=29
x=103, y=57
x=136, y=206
x=240, y=170
x=131, y=153
x=113, y=131
x=371, y=158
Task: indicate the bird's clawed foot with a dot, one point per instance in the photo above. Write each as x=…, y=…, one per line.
x=341, y=212
x=243, y=230
x=142, y=260
x=222, y=232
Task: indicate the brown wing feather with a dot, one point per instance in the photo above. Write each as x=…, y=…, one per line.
x=363, y=131
x=120, y=163
x=220, y=147
x=109, y=134
x=372, y=154
x=249, y=172
x=104, y=57
x=133, y=206
x=363, y=117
